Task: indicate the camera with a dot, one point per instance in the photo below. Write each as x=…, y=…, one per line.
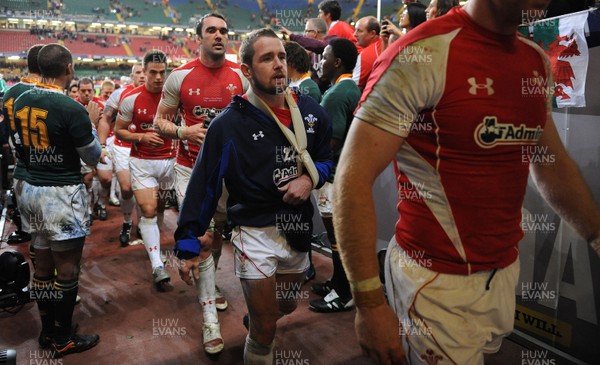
x=384, y=23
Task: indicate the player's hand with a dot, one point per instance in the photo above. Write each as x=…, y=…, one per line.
x=298, y=190
x=378, y=333
x=104, y=156
x=188, y=270
x=284, y=31
x=152, y=139
x=195, y=134
x=94, y=112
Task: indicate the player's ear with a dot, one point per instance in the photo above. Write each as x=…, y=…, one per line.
x=246, y=71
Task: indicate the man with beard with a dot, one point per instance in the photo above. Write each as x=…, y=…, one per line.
x=199, y=90
x=269, y=172
x=453, y=264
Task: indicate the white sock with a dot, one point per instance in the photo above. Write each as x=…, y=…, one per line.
x=90, y=197
x=151, y=237
x=113, y=187
x=206, y=289
x=127, y=209
x=95, y=190
x=257, y=354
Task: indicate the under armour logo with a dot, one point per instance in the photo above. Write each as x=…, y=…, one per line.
x=192, y=91
x=260, y=134
x=475, y=86
x=141, y=111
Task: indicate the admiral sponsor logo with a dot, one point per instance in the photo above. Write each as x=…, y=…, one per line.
x=490, y=133
x=200, y=111
x=282, y=175
x=415, y=54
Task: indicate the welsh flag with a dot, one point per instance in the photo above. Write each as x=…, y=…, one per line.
x=563, y=40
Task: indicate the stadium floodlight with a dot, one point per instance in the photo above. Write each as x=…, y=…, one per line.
x=167, y=29
x=56, y=22
x=93, y=25
x=132, y=61
x=42, y=21
x=190, y=30
x=68, y=22
x=156, y=28
x=179, y=29
x=121, y=26
x=13, y=20
x=27, y=21
x=13, y=58
x=133, y=26
x=110, y=60
x=109, y=25
x=87, y=59
x=231, y=32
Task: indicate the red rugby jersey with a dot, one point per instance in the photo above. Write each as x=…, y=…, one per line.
x=196, y=89
x=139, y=108
x=458, y=95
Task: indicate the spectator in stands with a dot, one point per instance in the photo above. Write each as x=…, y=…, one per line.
x=440, y=7
x=106, y=89
x=314, y=40
x=298, y=66
x=367, y=37
x=412, y=16
x=3, y=86
x=339, y=59
x=330, y=11
x=73, y=90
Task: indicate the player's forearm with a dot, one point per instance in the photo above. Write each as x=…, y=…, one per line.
x=127, y=136
x=166, y=128
x=563, y=187
x=103, y=130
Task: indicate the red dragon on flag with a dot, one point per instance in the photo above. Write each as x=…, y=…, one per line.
x=563, y=47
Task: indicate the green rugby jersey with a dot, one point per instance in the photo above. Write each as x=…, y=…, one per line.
x=51, y=125
x=7, y=101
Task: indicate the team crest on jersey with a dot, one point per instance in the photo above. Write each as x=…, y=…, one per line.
x=232, y=88
x=430, y=357
x=132, y=128
x=311, y=120
x=490, y=133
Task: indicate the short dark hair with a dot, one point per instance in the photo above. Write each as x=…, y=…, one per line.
x=297, y=57
x=154, y=56
x=444, y=6
x=247, y=46
x=84, y=81
x=331, y=7
x=416, y=14
x=53, y=60
x=201, y=22
x=73, y=84
x=32, y=59
x=346, y=51
x=373, y=24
